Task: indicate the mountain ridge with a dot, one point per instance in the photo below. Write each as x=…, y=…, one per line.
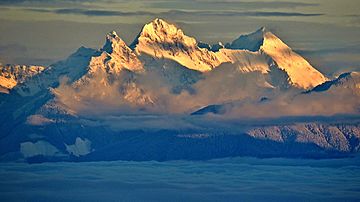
x=12, y=75
x=160, y=39
x=167, y=96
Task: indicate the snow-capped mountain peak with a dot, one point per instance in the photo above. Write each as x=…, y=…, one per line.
x=12, y=75
x=113, y=43
x=116, y=56
x=251, y=42
x=160, y=31
x=301, y=73
x=160, y=39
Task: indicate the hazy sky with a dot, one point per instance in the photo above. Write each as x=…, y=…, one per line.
x=44, y=31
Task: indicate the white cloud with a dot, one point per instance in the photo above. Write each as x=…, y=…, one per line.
x=29, y=149
x=80, y=147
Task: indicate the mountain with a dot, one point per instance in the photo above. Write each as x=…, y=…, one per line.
x=119, y=55
x=87, y=140
x=26, y=98
x=73, y=68
x=163, y=40
x=134, y=102
x=301, y=73
x=115, y=66
x=12, y=75
x=349, y=80
x=253, y=52
x=260, y=51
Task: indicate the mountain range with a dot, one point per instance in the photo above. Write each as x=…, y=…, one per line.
x=167, y=96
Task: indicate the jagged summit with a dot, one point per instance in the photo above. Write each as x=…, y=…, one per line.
x=160, y=31
x=252, y=41
x=300, y=71
x=302, y=74
x=116, y=56
x=164, y=40
x=113, y=43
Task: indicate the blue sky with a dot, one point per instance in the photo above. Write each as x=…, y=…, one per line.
x=42, y=32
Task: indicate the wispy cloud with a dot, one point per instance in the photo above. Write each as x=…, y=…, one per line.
x=236, y=13
x=92, y=12
x=240, y=5
x=101, y=12
x=12, y=48
x=170, y=4
x=14, y=2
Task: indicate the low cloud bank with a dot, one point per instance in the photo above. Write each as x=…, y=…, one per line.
x=240, y=95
